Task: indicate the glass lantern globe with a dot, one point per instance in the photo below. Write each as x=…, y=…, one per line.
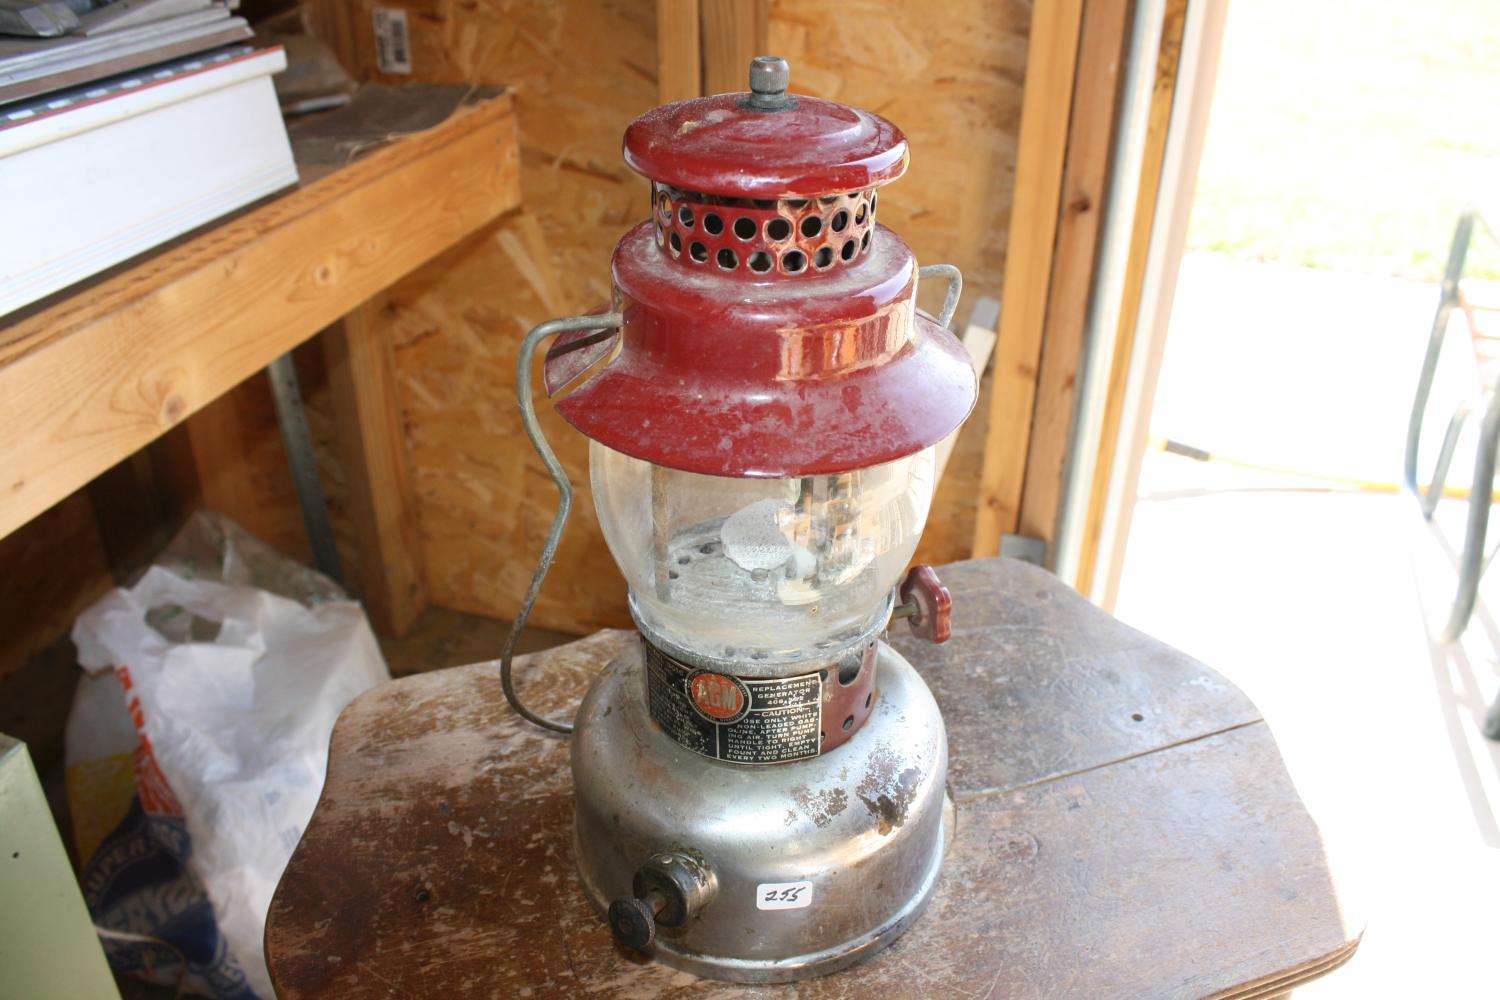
x=760, y=571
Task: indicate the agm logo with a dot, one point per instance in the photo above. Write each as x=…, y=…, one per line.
x=719, y=698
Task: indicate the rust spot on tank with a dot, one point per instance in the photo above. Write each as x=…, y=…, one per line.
x=820, y=807
x=886, y=792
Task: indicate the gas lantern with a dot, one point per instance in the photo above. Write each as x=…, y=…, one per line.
x=759, y=783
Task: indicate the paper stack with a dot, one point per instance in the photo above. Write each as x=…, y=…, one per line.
x=134, y=126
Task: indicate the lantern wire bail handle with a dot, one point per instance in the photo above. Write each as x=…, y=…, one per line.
x=955, y=288
x=570, y=324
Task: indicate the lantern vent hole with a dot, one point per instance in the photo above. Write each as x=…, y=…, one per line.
x=849, y=671
x=824, y=231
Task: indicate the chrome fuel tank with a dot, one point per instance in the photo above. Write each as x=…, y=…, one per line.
x=811, y=865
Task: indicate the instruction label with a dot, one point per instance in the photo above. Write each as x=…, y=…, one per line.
x=744, y=720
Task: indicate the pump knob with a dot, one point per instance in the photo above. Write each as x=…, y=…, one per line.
x=668, y=891
x=926, y=604
x=633, y=922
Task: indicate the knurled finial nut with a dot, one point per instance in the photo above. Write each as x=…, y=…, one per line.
x=769, y=75
x=633, y=923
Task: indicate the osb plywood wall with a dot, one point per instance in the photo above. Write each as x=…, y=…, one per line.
x=950, y=74
x=579, y=72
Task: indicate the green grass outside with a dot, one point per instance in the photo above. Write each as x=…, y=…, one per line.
x=1349, y=134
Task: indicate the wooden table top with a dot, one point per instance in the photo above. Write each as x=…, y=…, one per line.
x=1126, y=828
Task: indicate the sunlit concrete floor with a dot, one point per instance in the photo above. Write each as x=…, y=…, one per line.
x=1323, y=606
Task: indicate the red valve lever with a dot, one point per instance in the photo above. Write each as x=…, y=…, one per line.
x=930, y=604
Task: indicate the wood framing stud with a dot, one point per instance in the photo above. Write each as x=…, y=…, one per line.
x=372, y=447
x=217, y=443
x=734, y=32
x=1085, y=182
x=679, y=60
x=1051, y=61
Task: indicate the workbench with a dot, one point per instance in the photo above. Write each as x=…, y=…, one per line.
x=1125, y=827
x=91, y=375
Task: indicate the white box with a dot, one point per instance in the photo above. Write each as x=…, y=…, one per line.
x=96, y=176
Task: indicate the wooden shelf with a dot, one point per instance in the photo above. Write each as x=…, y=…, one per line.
x=88, y=378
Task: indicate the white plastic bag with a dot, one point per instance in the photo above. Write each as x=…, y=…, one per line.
x=233, y=692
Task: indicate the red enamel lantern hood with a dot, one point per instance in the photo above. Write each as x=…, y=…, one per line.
x=768, y=324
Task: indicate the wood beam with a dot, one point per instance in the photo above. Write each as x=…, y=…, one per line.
x=1051, y=63
x=1091, y=135
x=216, y=440
x=734, y=32
x=372, y=447
x=679, y=59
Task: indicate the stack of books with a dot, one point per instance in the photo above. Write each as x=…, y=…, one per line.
x=122, y=127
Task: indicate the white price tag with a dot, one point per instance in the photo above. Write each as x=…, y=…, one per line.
x=783, y=895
